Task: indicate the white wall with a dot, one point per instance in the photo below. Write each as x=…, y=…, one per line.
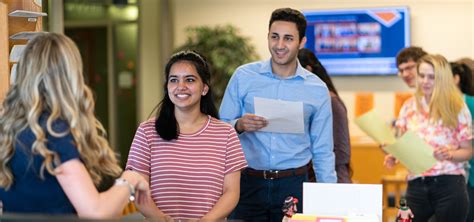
x=439, y=26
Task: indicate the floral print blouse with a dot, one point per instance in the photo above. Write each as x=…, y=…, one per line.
x=435, y=134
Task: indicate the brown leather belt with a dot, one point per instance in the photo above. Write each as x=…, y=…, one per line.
x=275, y=174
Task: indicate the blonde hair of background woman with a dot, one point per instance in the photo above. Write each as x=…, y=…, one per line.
x=50, y=78
x=446, y=101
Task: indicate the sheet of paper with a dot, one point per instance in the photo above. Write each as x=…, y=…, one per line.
x=375, y=127
x=283, y=116
x=413, y=152
x=338, y=199
x=319, y=218
x=17, y=51
x=13, y=74
x=24, y=13
x=25, y=35
x=38, y=2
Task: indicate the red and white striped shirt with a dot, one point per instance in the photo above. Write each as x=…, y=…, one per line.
x=187, y=174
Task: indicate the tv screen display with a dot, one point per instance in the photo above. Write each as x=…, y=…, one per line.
x=358, y=41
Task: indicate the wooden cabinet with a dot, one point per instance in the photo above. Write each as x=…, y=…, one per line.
x=4, y=51
x=10, y=25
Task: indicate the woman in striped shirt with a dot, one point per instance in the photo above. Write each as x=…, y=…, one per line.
x=191, y=159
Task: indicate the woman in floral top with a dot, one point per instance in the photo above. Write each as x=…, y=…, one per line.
x=438, y=114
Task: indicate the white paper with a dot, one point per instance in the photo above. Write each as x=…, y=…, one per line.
x=125, y=80
x=38, y=2
x=282, y=116
x=24, y=13
x=24, y=35
x=13, y=74
x=16, y=52
x=338, y=199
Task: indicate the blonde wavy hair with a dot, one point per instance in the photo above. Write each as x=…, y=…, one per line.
x=50, y=79
x=446, y=101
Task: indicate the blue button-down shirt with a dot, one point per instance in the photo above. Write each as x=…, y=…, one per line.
x=279, y=151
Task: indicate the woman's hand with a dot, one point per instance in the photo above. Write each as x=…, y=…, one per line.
x=142, y=188
x=390, y=161
x=443, y=153
x=382, y=147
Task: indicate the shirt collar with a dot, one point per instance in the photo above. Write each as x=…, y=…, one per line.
x=266, y=68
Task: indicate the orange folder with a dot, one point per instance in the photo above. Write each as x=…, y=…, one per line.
x=364, y=102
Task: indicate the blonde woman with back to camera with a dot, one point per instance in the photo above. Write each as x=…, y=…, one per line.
x=53, y=150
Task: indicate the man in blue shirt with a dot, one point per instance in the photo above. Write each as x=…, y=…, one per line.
x=278, y=162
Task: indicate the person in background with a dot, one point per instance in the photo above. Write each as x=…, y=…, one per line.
x=463, y=79
x=53, y=150
x=342, y=144
x=278, y=162
x=191, y=159
x=468, y=62
x=406, y=64
x=438, y=115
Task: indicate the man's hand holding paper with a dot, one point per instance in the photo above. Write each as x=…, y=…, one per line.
x=250, y=122
x=282, y=116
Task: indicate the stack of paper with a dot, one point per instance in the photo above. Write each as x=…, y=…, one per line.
x=24, y=35
x=410, y=149
x=339, y=201
x=28, y=14
x=16, y=53
x=316, y=218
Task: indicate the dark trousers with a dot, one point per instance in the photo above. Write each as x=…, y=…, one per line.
x=444, y=197
x=470, y=191
x=262, y=199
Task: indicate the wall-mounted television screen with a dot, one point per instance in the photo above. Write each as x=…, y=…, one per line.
x=358, y=41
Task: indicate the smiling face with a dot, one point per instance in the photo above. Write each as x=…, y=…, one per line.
x=407, y=71
x=426, y=79
x=284, y=43
x=185, y=86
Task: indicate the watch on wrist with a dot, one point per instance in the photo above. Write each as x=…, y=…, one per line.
x=124, y=182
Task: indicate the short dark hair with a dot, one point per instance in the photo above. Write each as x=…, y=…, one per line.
x=410, y=53
x=290, y=15
x=166, y=125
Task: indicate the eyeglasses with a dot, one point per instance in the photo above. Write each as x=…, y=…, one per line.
x=407, y=68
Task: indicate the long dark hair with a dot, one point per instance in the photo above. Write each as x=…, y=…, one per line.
x=166, y=124
x=307, y=58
